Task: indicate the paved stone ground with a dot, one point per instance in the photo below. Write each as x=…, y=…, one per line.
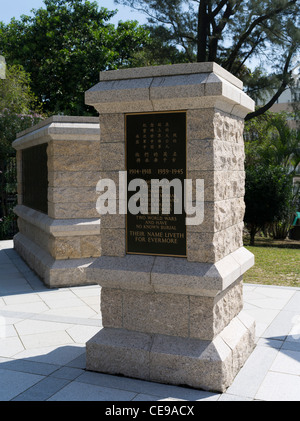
x=43, y=334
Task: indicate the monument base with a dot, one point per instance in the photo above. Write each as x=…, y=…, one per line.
x=172, y=321
x=54, y=273
x=209, y=365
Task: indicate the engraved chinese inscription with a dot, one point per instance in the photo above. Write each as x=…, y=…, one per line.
x=156, y=150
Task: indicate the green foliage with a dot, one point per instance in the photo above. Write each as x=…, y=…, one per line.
x=271, y=144
x=8, y=226
x=64, y=46
x=12, y=123
x=16, y=102
x=159, y=50
x=269, y=139
x=15, y=92
x=15, y=116
x=268, y=197
x=284, y=148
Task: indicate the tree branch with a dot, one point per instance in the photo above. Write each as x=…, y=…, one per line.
x=229, y=62
x=218, y=8
x=213, y=44
x=146, y=11
x=247, y=55
x=285, y=80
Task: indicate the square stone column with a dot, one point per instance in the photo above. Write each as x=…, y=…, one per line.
x=61, y=238
x=176, y=320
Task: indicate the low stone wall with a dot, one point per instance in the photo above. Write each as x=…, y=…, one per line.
x=66, y=239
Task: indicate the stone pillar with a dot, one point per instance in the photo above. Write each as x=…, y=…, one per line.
x=170, y=319
x=61, y=243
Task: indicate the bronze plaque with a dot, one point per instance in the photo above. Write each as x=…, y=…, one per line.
x=156, y=150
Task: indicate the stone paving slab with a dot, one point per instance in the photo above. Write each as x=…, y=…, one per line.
x=43, y=334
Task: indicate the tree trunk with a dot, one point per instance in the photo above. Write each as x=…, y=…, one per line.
x=252, y=236
x=202, y=31
x=213, y=48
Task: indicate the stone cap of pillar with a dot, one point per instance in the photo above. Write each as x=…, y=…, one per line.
x=59, y=128
x=58, y=227
x=170, y=275
x=169, y=87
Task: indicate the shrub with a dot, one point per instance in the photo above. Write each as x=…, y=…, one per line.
x=268, y=197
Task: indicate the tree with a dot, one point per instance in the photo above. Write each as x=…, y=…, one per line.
x=284, y=148
x=158, y=50
x=231, y=33
x=268, y=197
x=15, y=92
x=270, y=143
x=64, y=46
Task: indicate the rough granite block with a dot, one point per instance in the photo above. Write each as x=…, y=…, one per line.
x=118, y=351
x=207, y=365
x=167, y=314
x=112, y=308
x=113, y=242
x=112, y=128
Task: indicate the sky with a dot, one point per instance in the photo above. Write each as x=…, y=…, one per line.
x=16, y=8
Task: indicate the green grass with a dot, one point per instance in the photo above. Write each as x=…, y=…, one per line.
x=274, y=266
